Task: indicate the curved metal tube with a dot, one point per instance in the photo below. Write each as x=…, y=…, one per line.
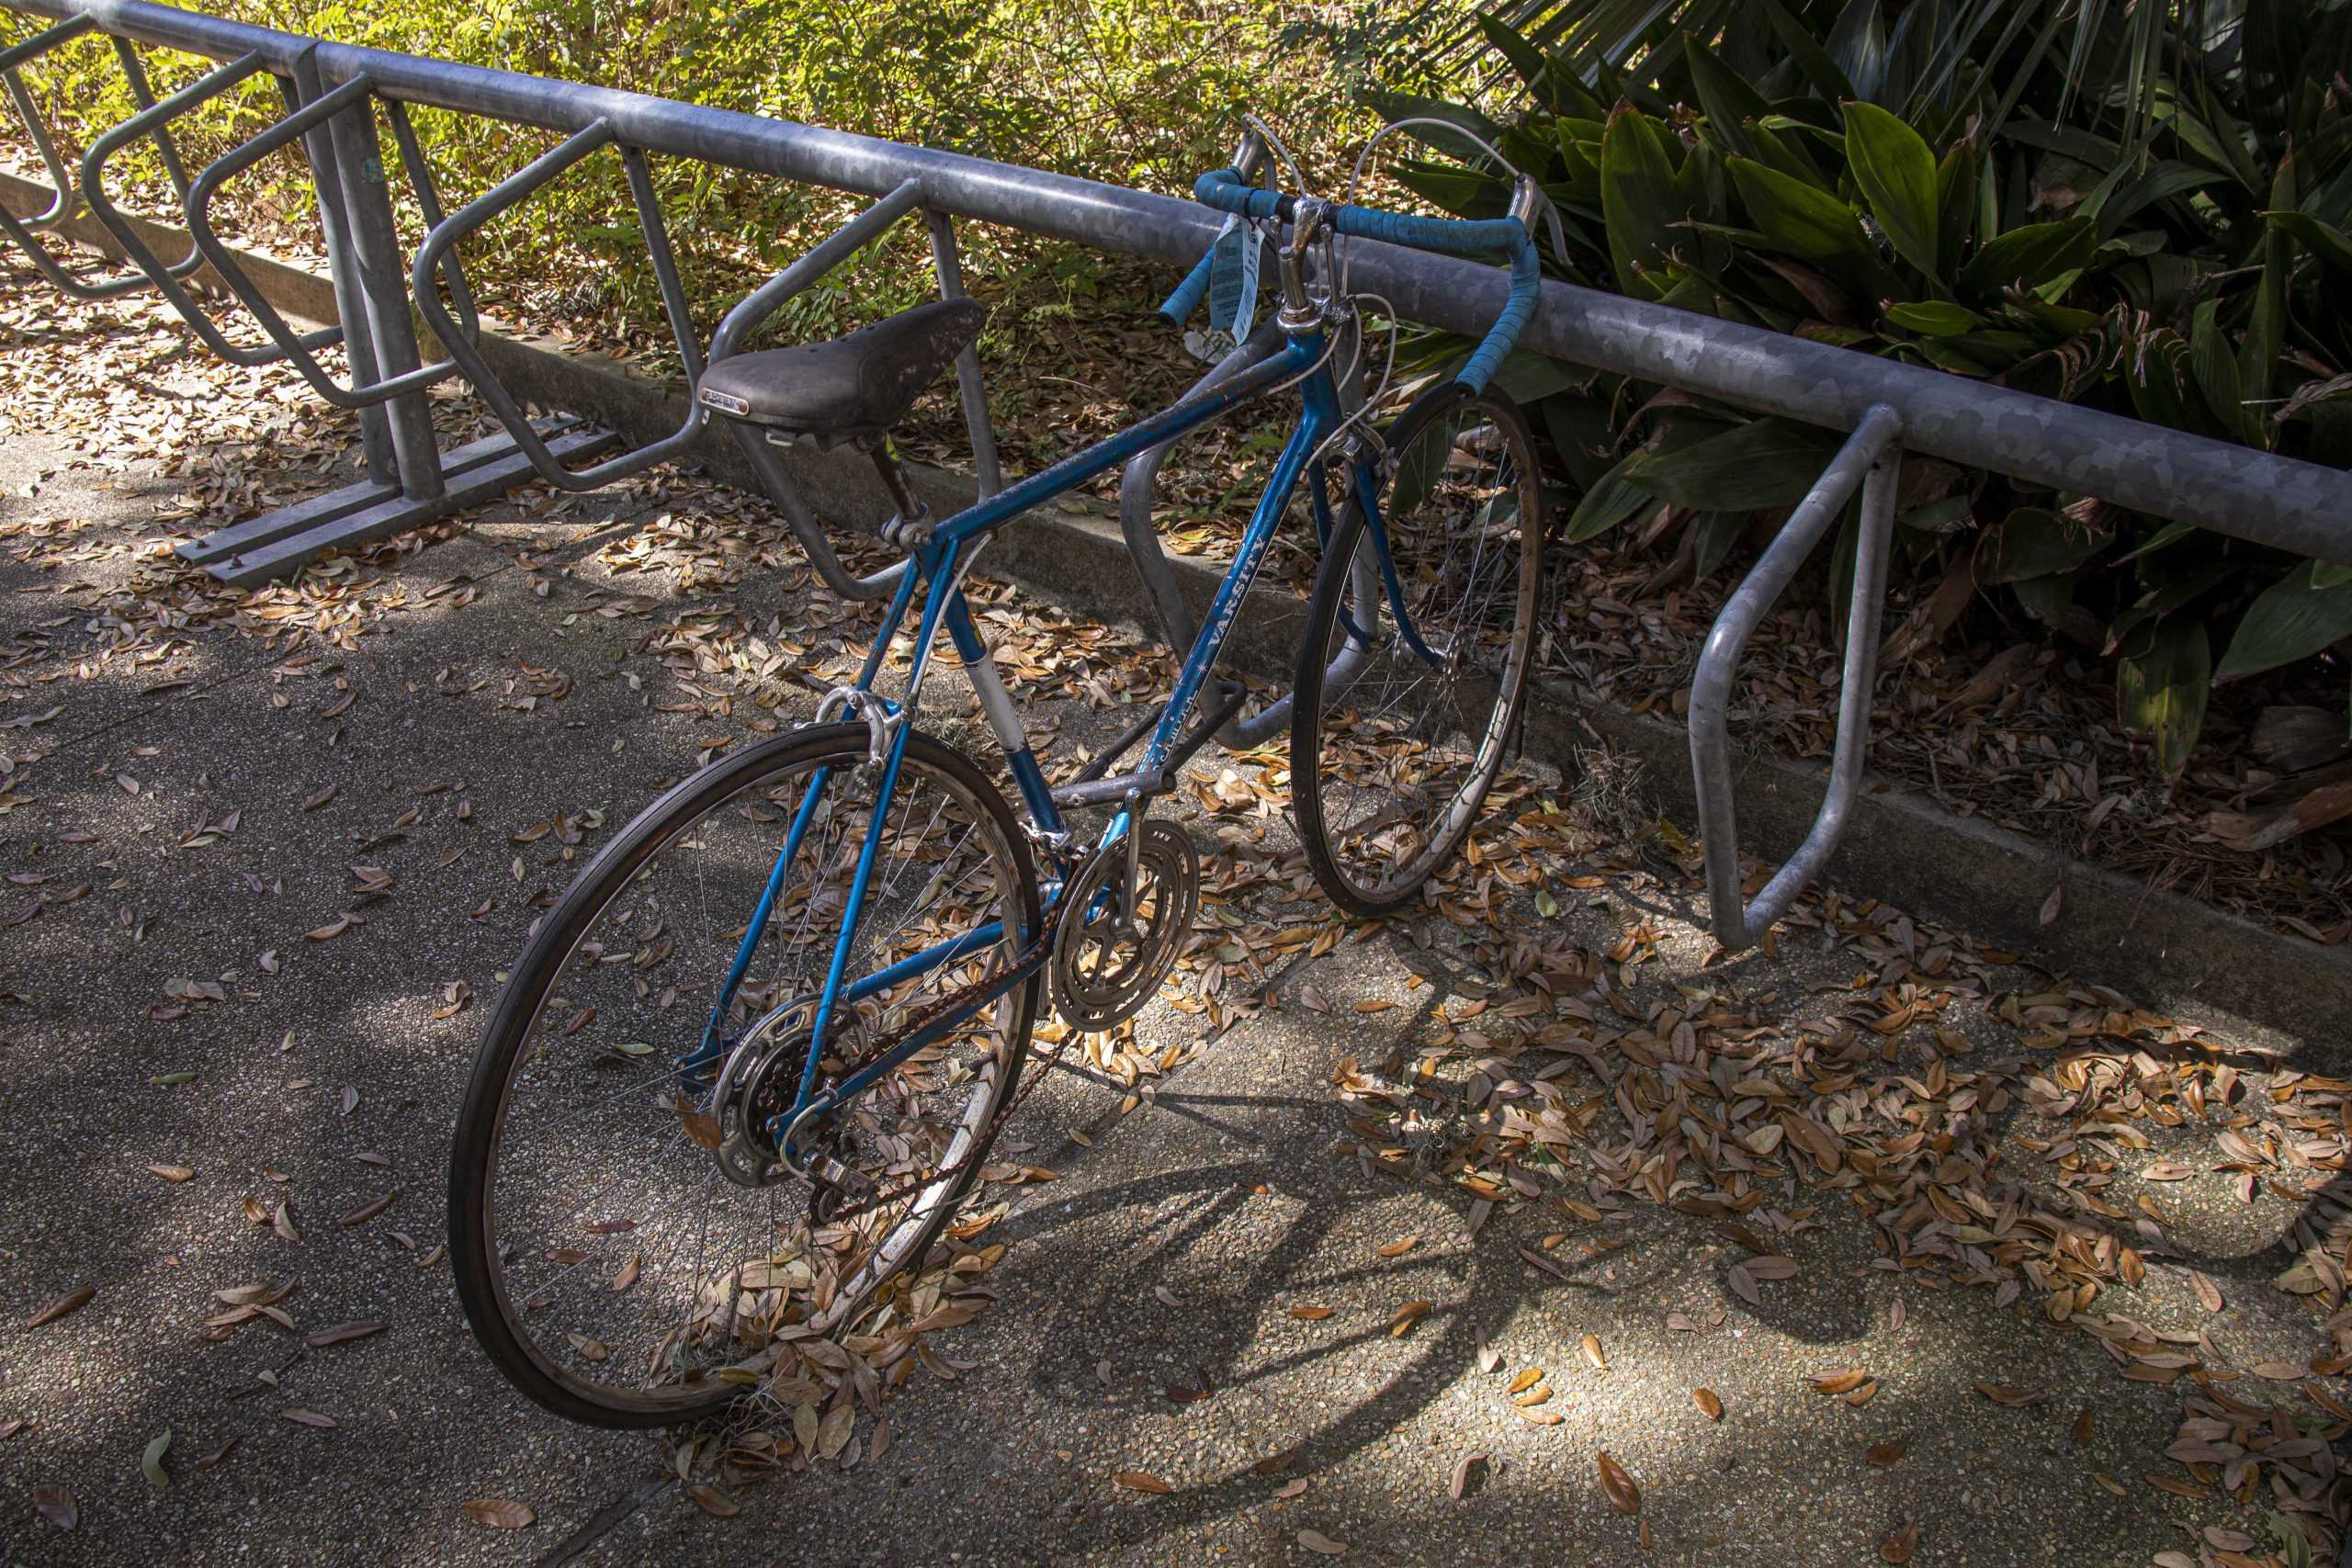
x=20, y=230
x=1870, y=460
x=297, y=348
x=167, y=279
x=11, y=61
x=424, y=287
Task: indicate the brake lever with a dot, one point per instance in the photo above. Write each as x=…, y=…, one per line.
x=1529, y=203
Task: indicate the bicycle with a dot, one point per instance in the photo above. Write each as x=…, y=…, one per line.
x=772, y=1164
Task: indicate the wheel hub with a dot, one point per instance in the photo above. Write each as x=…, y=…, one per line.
x=760, y=1083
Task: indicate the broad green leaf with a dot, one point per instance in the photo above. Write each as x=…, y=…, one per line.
x=2029, y=258
x=2049, y=600
x=1637, y=197
x=1807, y=223
x=2216, y=369
x=1769, y=462
x=1713, y=535
x=1955, y=207
x=1787, y=155
x=1857, y=43
x=2324, y=241
x=1464, y=192
x=2160, y=684
x=2330, y=574
x=1610, y=501
x=1529, y=377
x=2035, y=542
x=1524, y=57
x=1580, y=428
x=1409, y=106
x=1418, y=468
x=1812, y=59
x=2294, y=618
x=2266, y=326
x=1725, y=97
x=1935, y=318
x=1897, y=176
x=2170, y=534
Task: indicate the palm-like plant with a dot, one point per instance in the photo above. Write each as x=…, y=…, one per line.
x=2141, y=208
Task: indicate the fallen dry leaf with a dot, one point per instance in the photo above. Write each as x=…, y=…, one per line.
x=1142, y=1480
x=56, y=1505
x=1591, y=1346
x=499, y=1513
x=1888, y=1453
x=341, y=1334
x=1898, y=1547
x=66, y=1305
x=714, y=1502
x=2010, y=1398
x=1841, y=1383
x=1617, y=1485
x=1317, y=1541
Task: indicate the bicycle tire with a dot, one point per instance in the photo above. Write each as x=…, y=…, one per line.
x=474, y=1232
x=1318, y=708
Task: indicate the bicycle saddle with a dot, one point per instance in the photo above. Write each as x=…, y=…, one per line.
x=846, y=387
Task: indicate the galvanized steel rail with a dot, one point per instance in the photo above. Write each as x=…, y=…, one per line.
x=1890, y=408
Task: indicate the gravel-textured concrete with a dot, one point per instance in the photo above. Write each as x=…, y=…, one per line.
x=1171, y=1252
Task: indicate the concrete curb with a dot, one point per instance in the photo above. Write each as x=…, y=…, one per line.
x=2158, y=947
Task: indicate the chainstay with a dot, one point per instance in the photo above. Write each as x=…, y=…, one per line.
x=1030, y=958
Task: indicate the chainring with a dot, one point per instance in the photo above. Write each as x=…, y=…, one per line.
x=1109, y=957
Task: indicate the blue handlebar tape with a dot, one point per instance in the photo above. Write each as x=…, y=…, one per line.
x=1526, y=284
x=1227, y=191
x=1189, y=293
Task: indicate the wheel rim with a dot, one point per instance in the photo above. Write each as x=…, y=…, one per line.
x=1408, y=746
x=620, y=1261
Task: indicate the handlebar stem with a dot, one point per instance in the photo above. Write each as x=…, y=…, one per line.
x=1306, y=225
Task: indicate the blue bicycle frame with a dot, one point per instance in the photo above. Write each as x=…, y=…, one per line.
x=937, y=569
x=939, y=563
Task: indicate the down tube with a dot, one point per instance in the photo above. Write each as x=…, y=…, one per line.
x=1322, y=409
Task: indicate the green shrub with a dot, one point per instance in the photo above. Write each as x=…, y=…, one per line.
x=1140, y=91
x=2142, y=211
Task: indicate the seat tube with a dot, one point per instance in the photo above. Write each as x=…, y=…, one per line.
x=1004, y=718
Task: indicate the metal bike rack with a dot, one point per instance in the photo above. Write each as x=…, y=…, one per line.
x=1870, y=461
x=24, y=231
x=2233, y=490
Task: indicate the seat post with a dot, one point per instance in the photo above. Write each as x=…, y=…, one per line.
x=910, y=529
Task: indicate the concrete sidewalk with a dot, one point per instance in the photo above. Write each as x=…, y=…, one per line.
x=1300, y=1282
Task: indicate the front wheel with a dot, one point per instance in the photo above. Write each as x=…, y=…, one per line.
x=1401, y=722
x=626, y=1246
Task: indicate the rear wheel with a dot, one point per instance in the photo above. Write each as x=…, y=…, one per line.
x=625, y=1241
x=1398, y=730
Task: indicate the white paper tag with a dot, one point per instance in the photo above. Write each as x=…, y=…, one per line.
x=1233, y=279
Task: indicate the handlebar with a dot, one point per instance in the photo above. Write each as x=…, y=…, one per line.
x=1230, y=191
